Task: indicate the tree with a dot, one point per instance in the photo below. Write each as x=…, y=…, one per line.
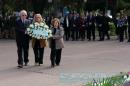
x=39, y=5
x=121, y=4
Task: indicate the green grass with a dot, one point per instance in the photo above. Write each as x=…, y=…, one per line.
x=116, y=80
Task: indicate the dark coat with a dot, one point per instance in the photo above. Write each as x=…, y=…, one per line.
x=21, y=28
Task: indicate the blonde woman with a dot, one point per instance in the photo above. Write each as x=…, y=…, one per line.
x=38, y=44
x=56, y=42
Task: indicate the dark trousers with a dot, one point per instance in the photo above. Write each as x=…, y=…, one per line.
x=22, y=50
x=82, y=34
x=125, y=32
x=106, y=34
x=121, y=34
x=67, y=33
x=101, y=33
x=38, y=52
x=129, y=34
x=0, y=33
x=117, y=32
x=55, y=56
x=91, y=32
x=75, y=33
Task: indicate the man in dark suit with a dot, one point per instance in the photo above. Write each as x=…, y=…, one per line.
x=99, y=21
x=103, y=27
x=128, y=28
x=66, y=25
x=91, y=26
x=1, y=26
x=22, y=39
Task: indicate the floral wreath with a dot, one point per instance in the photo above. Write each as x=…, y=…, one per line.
x=39, y=31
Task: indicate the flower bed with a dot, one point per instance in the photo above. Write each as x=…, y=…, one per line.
x=117, y=80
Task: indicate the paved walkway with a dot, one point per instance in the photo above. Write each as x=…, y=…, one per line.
x=80, y=59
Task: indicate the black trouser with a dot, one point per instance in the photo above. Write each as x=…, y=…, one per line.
x=106, y=33
x=82, y=33
x=91, y=31
x=101, y=33
x=75, y=33
x=55, y=56
x=38, y=52
x=125, y=31
x=0, y=33
x=67, y=33
x=117, y=32
x=129, y=34
x=22, y=49
x=121, y=34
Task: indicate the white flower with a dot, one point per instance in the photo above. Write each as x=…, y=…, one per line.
x=45, y=26
x=32, y=35
x=95, y=84
x=39, y=28
x=128, y=79
x=115, y=84
x=36, y=24
x=49, y=31
x=125, y=76
x=101, y=84
x=42, y=24
x=31, y=26
x=28, y=29
x=38, y=37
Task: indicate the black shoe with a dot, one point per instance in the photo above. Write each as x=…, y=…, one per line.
x=121, y=40
x=26, y=64
x=128, y=41
x=20, y=66
x=101, y=40
x=108, y=38
x=89, y=39
x=57, y=64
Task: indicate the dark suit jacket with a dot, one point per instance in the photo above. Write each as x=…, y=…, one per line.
x=65, y=22
x=128, y=21
x=21, y=28
x=91, y=21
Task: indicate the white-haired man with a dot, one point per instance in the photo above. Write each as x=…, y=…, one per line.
x=22, y=39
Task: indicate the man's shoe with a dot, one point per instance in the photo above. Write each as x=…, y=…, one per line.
x=20, y=66
x=128, y=41
x=26, y=64
x=89, y=39
x=57, y=64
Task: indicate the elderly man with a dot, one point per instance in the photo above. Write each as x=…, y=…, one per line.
x=22, y=39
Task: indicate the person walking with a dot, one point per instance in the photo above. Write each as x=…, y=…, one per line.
x=39, y=44
x=22, y=39
x=56, y=42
